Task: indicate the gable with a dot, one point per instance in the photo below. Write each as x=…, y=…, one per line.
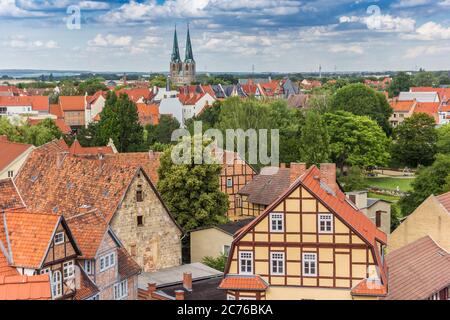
x=63, y=250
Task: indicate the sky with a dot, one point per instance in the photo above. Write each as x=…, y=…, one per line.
x=227, y=35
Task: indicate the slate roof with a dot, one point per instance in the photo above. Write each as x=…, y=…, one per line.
x=419, y=96
x=418, y=270
x=265, y=188
x=232, y=227
x=9, y=195
x=206, y=289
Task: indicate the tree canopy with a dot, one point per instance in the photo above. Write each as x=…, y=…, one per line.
x=192, y=191
x=415, y=141
x=37, y=135
x=314, y=141
x=356, y=140
x=364, y=101
x=400, y=82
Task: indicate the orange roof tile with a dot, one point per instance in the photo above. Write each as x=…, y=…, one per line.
x=77, y=149
x=402, y=106
x=148, y=113
x=127, y=266
x=5, y=268
x=10, y=151
x=429, y=108
x=29, y=236
x=37, y=103
x=369, y=288
x=56, y=110
x=9, y=195
x=89, y=229
x=72, y=103
x=25, y=287
x=87, y=287
x=136, y=94
x=97, y=95
x=240, y=282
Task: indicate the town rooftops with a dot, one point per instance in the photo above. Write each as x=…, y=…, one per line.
x=444, y=199
x=429, y=108
x=266, y=187
x=58, y=122
x=127, y=266
x=402, y=106
x=77, y=149
x=418, y=270
x=10, y=151
x=87, y=287
x=9, y=195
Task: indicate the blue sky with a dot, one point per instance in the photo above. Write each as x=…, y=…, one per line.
x=228, y=35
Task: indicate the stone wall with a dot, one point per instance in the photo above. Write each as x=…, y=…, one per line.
x=156, y=243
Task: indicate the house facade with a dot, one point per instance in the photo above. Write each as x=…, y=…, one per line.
x=12, y=157
x=311, y=243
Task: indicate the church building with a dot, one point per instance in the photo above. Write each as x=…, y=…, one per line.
x=182, y=72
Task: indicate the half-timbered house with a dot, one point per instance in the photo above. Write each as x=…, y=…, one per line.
x=311, y=243
x=39, y=243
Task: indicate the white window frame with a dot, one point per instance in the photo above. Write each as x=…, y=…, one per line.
x=11, y=174
x=277, y=256
x=61, y=240
x=121, y=290
x=326, y=217
x=46, y=271
x=107, y=261
x=88, y=266
x=68, y=270
x=56, y=284
x=248, y=258
x=306, y=259
x=279, y=217
x=230, y=182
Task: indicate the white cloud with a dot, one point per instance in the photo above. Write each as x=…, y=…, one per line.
x=340, y=48
x=426, y=51
x=444, y=3
x=430, y=31
x=386, y=23
x=9, y=8
x=21, y=42
x=110, y=41
x=94, y=5
x=410, y=3
x=61, y=4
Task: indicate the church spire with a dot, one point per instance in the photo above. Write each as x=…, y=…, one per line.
x=189, y=55
x=175, y=51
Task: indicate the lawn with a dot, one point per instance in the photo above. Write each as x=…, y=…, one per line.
x=383, y=197
x=391, y=183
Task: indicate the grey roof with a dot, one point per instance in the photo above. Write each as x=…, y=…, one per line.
x=371, y=201
x=174, y=275
x=419, y=96
x=206, y=289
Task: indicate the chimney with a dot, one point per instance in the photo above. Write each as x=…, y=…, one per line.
x=328, y=175
x=179, y=295
x=187, y=281
x=4, y=138
x=297, y=169
x=151, y=287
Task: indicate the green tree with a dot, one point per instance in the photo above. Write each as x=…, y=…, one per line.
x=356, y=140
x=314, y=141
x=443, y=139
x=192, y=191
x=415, y=141
x=352, y=180
x=424, y=79
x=119, y=121
x=37, y=135
x=364, y=101
x=91, y=86
x=217, y=263
x=430, y=180
x=401, y=82
x=162, y=132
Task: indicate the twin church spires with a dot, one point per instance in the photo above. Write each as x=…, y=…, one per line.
x=182, y=72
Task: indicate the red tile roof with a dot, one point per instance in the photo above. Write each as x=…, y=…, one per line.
x=77, y=149
x=37, y=103
x=444, y=199
x=136, y=94
x=9, y=195
x=72, y=103
x=25, y=287
x=418, y=270
x=97, y=95
x=127, y=266
x=402, y=106
x=190, y=99
x=5, y=267
x=89, y=230
x=87, y=287
x=429, y=108
x=56, y=110
x=369, y=288
x=240, y=282
x=10, y=151
x=58, y=122
x=30, y=235
x=148, y=113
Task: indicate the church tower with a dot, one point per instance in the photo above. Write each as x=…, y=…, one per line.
x=182, y=73
x=189, y=62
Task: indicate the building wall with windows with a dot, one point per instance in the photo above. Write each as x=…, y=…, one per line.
x=208, y=243
x=11, y=170
x=145, y=228
x=248, y=209
x=317, y=255
x=106, y=269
